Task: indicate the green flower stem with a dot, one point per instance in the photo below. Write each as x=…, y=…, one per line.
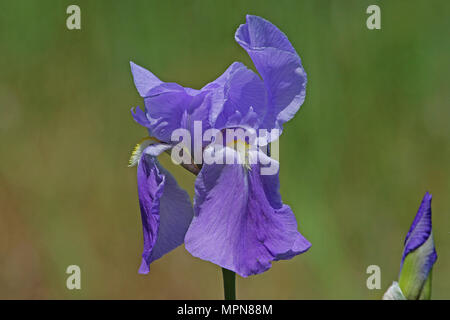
x=229, y=284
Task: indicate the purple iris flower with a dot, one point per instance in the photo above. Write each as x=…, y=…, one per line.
x=238, y=220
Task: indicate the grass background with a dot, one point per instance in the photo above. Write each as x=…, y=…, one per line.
x=370, y=139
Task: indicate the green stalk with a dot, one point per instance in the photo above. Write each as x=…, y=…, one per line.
x=229, y=284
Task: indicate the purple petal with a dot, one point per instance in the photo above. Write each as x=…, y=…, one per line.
x=168, y=106
x=166, y=211
x=420, y=230
x=238, y=98
x=278, y=64
x=238, y=223
x=144, y=80
x=140, y=117
x=172, y=108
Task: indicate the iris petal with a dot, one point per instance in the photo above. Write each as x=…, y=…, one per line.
x=238, y=98
x=168, y=106
x=237, y=223
x=144, y=80
x=279, y=66
x=165, y=109
x=166, y=211
x=140, y=117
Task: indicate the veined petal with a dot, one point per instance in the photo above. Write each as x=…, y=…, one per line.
x=144, y=80
x=279, y=66
x=238, y=98
x=175, y=107
x=248, y=235
x=168, y=106
x=166, y=210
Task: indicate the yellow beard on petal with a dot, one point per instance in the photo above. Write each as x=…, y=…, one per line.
x=139, y=148
x=242, y=148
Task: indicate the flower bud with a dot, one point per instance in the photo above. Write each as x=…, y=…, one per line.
x=419, y=255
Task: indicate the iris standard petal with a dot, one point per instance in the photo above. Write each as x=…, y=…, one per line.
x=144, y=80
x=168, y=106
x=238, y=98
x=279, y=66
x=166, y=210
x=171, y=107
x=237, y=223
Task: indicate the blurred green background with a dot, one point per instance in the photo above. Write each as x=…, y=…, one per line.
x=370, y=139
